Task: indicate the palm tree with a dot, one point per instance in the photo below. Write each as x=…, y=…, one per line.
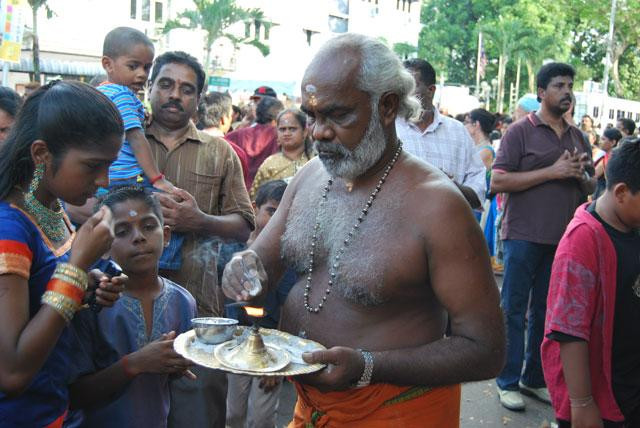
x=509, y=36
x=215, y=17
x=35, y=5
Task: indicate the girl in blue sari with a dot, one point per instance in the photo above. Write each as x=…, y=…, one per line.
x=64, y=139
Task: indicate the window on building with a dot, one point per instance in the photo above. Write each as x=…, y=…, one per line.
x=409, y=6
x=596, y=111
x=247, y=29
x=619, y=114
x=133, y=9
x=158, y=12
x=629, y=115
x=637, y=117
x=338, y=25
x=342, y=6
x=611, y=113
x=146, y=10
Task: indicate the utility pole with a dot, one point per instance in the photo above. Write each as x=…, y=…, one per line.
x=478, y=59
x=607, y=62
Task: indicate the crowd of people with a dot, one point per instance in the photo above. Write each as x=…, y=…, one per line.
x=375, y=223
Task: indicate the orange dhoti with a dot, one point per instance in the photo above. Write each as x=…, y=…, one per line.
x=378, y=406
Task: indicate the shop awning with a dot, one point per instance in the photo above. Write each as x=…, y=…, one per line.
x=55, y=66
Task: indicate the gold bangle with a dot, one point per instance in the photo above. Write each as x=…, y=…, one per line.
x=68, y=279
x=79, y=275
x=62, y=304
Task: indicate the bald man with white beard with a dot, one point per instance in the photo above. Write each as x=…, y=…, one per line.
x=385, y=247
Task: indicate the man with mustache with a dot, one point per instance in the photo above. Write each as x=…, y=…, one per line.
x=211, y=204
x=545, y=166
x=384, y=246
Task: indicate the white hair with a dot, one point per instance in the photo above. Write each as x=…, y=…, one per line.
x=380, y=71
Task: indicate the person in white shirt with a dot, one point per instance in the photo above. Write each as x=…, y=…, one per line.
x=440, y=140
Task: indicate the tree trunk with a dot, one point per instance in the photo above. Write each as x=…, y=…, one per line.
x=531, y=76
x=207, y=62
x=36, y=45
x=502, y=65
x=517, y=94
x=616, y=53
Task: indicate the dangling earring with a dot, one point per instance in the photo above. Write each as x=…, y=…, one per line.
x=50, y=221
x=38, y=173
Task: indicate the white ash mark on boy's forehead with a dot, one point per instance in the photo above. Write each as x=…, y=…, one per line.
x=133, y=213
x=310, y=88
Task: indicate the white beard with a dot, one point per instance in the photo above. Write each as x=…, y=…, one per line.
x=349, y=164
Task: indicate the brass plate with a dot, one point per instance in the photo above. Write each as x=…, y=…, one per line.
x=202, y=354
x=279, y=358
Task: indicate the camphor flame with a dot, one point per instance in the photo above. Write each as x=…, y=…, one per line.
x=255, y=312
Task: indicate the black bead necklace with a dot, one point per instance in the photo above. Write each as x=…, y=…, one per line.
x=336, y=259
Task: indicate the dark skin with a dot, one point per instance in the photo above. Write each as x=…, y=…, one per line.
x=425, y=93
x=25, y=343
x=174, y=99
x=440, y=242
x=131, y=69
x=137, y=247
x=556, y=100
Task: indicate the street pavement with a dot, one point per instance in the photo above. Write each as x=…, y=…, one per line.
x=479, y=407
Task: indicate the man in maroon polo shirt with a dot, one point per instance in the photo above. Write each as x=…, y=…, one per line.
x=544, y=164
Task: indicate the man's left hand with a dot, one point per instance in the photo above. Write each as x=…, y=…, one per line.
x=180, y=211
x=344, y=368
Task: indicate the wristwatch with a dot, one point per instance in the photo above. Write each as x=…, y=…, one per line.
x=367, y=373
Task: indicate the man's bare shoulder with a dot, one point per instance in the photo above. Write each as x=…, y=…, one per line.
x=311, y=173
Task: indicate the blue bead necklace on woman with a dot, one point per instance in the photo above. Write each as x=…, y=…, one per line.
x=50, y=221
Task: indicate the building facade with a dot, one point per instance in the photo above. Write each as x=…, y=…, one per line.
x=71, y=40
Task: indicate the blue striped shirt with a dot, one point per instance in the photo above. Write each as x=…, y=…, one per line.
x=132, y=112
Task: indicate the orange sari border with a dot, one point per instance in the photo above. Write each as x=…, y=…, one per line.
x=15, y=247
x=58, y=422
x=15, y=258
x=378, y=406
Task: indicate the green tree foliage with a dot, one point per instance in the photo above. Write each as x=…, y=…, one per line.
x=590, y=38
x=531, y=31
x=215, y=17
x=448, y=39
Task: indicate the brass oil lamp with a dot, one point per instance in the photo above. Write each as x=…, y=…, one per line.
x=252, y=353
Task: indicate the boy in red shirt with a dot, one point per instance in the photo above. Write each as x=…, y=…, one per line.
x=591, y=351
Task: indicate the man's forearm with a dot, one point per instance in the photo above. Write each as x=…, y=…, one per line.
x=575, y=367
x=511, y=182
x=230, y=226
x=443, y=362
